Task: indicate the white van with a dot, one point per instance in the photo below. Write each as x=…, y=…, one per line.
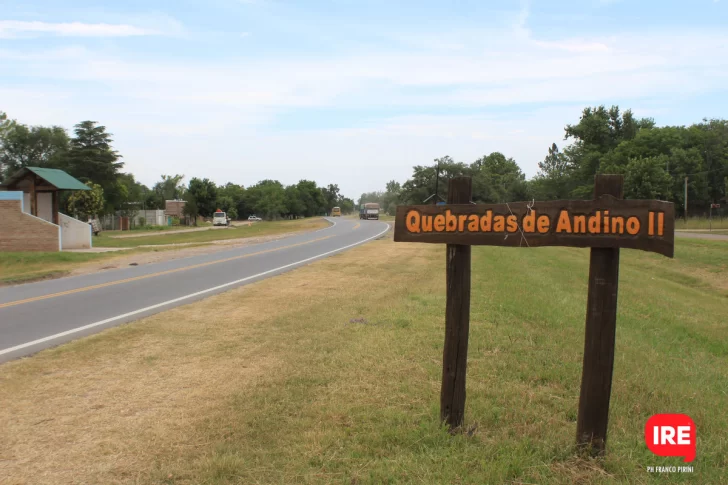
x=220, y=219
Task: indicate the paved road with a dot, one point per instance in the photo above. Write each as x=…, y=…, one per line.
x=39, y=315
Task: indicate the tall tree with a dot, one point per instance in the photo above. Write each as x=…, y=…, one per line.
x=498, y=179
x=424, y=180
x=311, y=197
x=646, y=178
x=32, y=146
x=554, y=177
x=331, y=197
x=92, y=158
x=204, y=192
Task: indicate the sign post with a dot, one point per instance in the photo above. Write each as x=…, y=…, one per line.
x=604, y=224
x=457, y=317
x=599, y=336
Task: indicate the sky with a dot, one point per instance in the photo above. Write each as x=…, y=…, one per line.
x=352, y=93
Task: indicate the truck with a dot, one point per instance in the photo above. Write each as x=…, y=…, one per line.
x=369, y=210
x=336, y=212
x=220, y=218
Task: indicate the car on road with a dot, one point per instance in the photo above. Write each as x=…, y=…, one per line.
x=336, y=212
x=220, y=218
x=254, y=218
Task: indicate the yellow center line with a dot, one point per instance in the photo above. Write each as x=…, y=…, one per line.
x=357, y=226
x=152, y=275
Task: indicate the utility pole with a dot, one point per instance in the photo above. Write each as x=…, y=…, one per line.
x=437, y=183
x=686, y=199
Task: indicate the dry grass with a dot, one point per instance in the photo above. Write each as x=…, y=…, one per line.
x=330, y=374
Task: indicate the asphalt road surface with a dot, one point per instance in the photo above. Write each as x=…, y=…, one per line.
x=702, y=235
x=35, y=316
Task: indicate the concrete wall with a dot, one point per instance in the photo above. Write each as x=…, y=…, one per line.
x=23, y=232
x=74, y=233
x=152, y=217
x=45, y=205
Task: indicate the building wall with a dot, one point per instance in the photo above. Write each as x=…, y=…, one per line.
x=45, y=205
x=74, y=233
x=22, y=232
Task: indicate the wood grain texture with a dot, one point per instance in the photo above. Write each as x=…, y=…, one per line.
x=457, y=317
x=599, y=336
x=518, y=235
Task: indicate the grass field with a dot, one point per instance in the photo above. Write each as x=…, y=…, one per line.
x=701, y=223
x=151, y=229
x=19, y=267
x=264, y=228
x=331, y=374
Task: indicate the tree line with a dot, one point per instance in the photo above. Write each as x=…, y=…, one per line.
x=89, y=156
x=655, y=162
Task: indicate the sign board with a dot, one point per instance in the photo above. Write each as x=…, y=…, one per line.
x=606, y=222
x=715, y=206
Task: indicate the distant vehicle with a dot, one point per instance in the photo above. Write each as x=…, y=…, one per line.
x=220, y=218
x=254, y=218
x=336, y=212
x=369, y=211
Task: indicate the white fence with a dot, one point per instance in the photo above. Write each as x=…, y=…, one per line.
x=152, y=217
x=112, y=222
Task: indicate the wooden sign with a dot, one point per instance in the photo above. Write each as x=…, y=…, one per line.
x=606, y=222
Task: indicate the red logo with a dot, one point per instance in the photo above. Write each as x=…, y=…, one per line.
x=671, y=435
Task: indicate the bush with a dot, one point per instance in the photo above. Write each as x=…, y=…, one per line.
x=142, y=221
x=175, y=221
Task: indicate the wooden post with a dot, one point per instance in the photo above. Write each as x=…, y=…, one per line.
x=33, y=197
x=601, y=322
x=56, y=198
x=457, y=317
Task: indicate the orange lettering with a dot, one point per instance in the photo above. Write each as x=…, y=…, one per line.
x=660, y=223
x=529, y=222
x=427, y=223
x=473, y=224
x=413, y=221
x=593, y=223
x=633, y=225
x=451, y=222
x=564, y=224
x=651, y=224
x=615, y=221
x=439, y=223
x=579, y=224
x=499, y=224
x=606, y=222
x=461, y=222
x=485, y=222
x=512, y=223
x=543, y=224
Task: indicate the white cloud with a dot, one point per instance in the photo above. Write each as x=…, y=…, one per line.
x=15, y=28
x=185, y=116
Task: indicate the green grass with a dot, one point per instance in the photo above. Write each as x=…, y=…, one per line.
x=151, y=229
x=331, y=374
x=264, y=228
x=17, y=267
x=701, y=223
